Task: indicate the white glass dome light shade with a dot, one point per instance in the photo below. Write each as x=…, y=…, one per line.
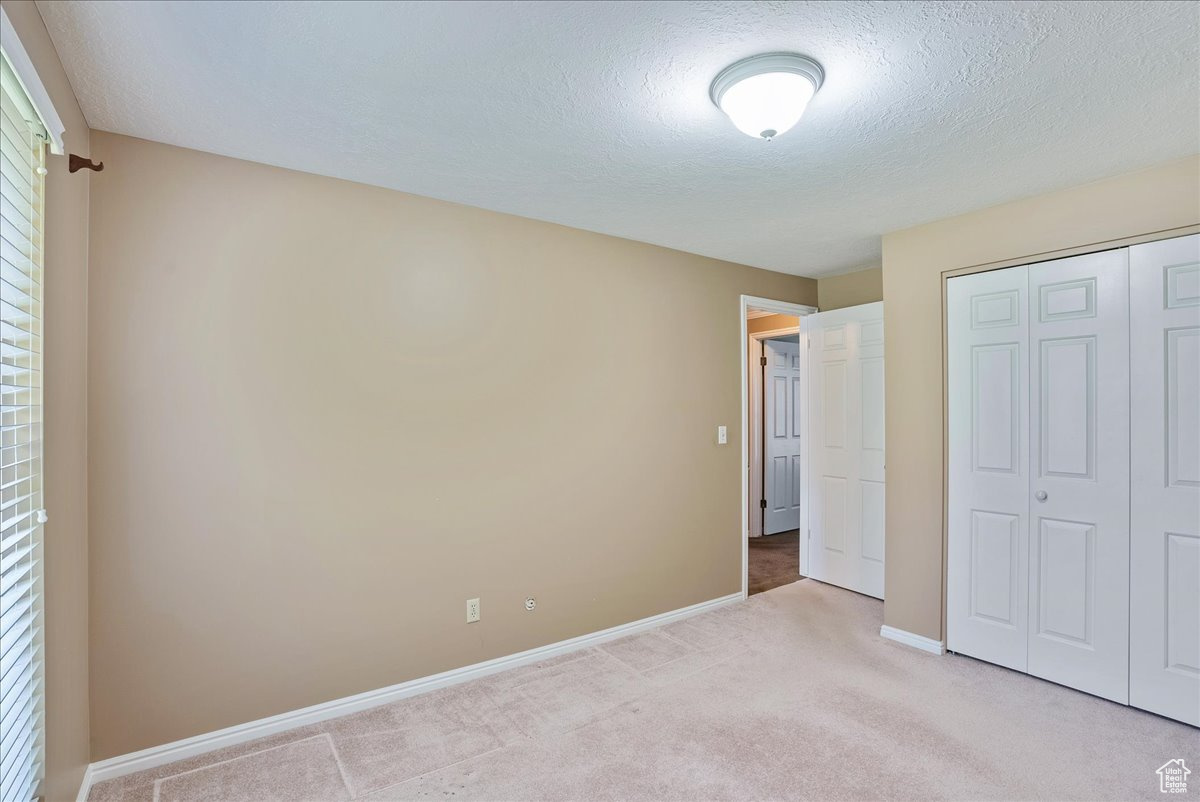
x=766, y=95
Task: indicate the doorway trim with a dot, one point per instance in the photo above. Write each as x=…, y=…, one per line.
x=776, y=307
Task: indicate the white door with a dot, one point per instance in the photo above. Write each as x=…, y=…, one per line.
x=845, y=484
x=781, y=432
x=1079, y=473
x=988, y=478
x=1164, y=570
x=1038, y=477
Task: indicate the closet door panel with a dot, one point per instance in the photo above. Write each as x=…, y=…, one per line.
x=1078, y=480
x=1165, y=517
x=988, y=365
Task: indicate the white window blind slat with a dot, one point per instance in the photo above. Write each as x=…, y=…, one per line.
x=22, y=154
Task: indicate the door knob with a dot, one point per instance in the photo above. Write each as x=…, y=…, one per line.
x=1040, y=495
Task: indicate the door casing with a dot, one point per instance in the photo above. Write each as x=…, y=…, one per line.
x=748, y=302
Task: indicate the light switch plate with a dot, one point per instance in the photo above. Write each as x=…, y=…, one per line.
x=722, y=435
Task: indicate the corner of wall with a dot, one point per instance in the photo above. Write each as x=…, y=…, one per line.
x=66, y=569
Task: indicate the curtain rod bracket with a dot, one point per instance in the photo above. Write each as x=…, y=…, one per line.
x=76, y=163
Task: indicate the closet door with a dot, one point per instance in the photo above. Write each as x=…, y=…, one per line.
x=1078, y=488
x=988, y=556
x=1165, y=558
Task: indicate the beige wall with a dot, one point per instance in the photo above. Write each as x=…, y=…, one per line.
x=65, y=303
x=914, y=263
x=324, y=415
x=850, y=289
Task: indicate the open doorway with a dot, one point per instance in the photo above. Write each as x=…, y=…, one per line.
x=773, y=395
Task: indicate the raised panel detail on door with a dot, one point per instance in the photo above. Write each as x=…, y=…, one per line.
x=1182, y=573
x=993, y=310
x=1066, y=580
x=779, y=409
x=988, y=509
x=872, y=406
x=995, y=386
x=1068, y=406
x=1182, y=285
x=872, y=497
x=833, y=404
x=1067, y=299
x=797, y=475
x=844, y=543
x=833, y=517
x=1079, y=487
x=1183, y=425
x=994, y=580
x=871, y=333
x=1164, y=568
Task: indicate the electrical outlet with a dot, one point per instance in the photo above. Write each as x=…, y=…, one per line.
x=472, y=610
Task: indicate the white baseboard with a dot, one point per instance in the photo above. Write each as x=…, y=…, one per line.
x=86, y=785
x=916, y=641
x=241, y=733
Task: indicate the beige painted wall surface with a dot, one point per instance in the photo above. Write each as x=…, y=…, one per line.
x=65, y=366
x=850, y=289
x=1155, y=200
x=324, y=415
x=65, y=344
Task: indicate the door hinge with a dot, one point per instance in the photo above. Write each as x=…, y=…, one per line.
x=762, y=503
x=762, y=360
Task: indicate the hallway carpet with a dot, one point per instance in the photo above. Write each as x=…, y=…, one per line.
x=774, y=561
x=789, y=695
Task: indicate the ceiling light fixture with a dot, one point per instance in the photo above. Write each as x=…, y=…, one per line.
x=765, y=95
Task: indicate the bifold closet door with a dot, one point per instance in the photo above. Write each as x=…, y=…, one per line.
x=1038, y=474
x=1079, y=473
x=988, y=478
x=1165, y=558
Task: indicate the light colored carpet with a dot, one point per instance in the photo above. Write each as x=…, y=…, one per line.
x=790, y=695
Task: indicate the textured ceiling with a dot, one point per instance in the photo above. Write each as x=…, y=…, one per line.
x=596, y=115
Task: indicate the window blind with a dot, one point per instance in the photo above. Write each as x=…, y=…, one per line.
x=22, y=153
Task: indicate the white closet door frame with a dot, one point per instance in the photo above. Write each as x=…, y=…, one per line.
x=748, y=302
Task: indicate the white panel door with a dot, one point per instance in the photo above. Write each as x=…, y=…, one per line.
x=781, y=433
x=845, y=484
x=1164, y=644
x=1079, y=473
x=988, y=472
